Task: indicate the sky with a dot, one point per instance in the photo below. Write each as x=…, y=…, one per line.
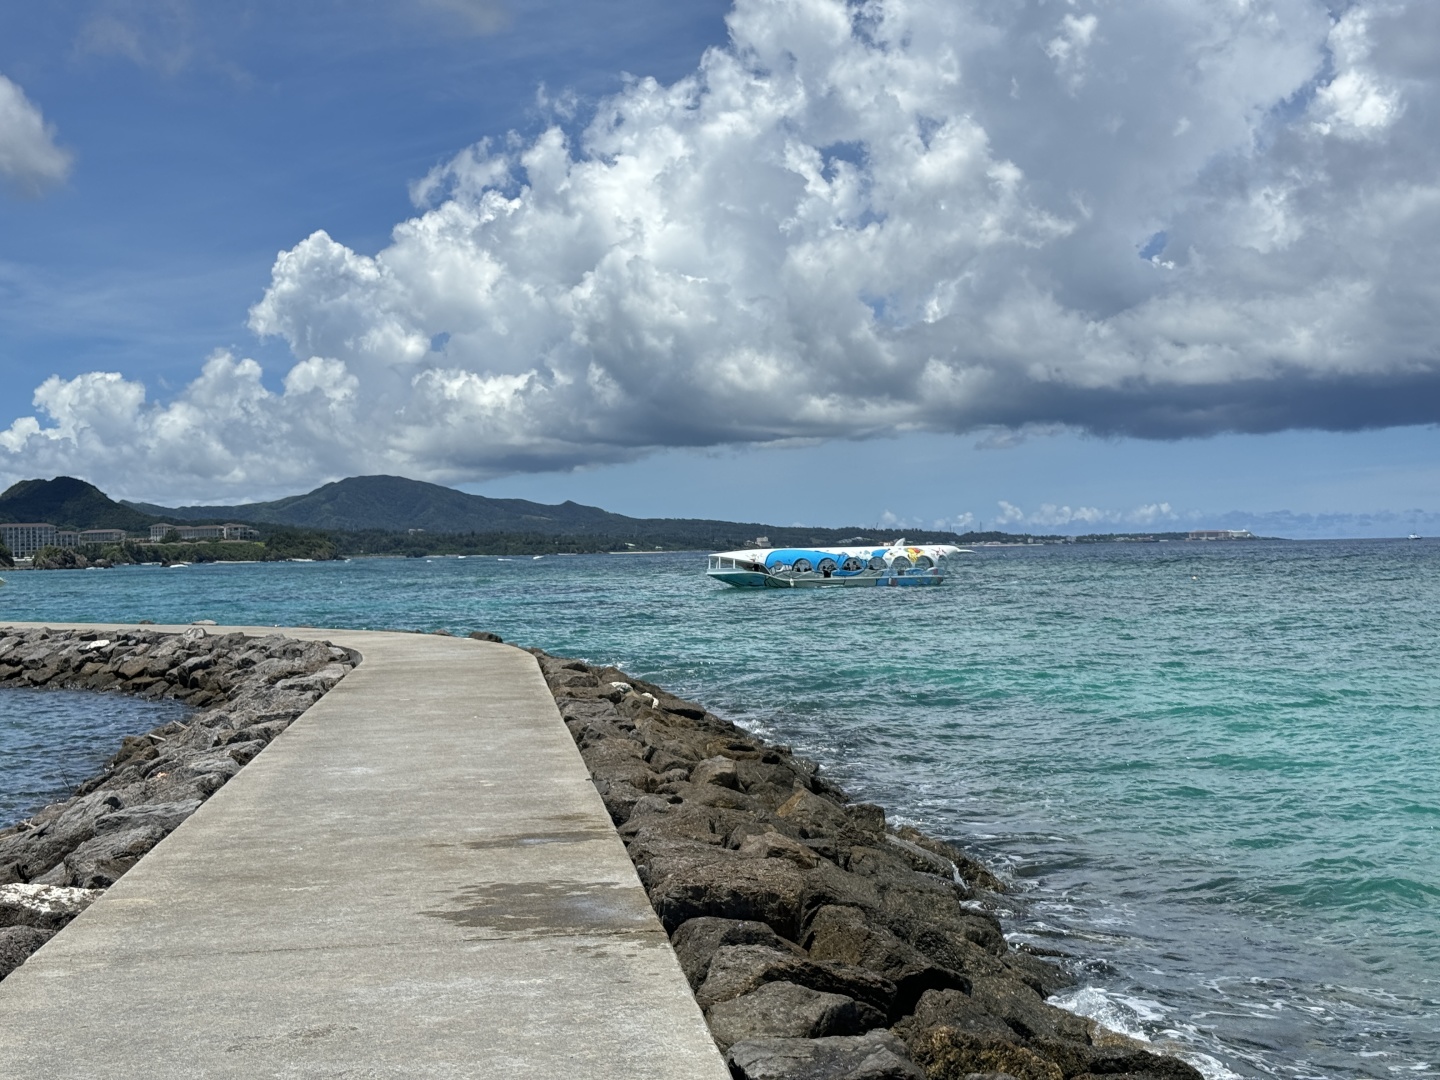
x=1038, y=265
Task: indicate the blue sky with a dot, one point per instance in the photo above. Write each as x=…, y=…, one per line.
x=207, y=138
x=1039, y=266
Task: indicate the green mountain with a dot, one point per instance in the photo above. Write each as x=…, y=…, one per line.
x=395, y=504
x=70, y=504
x=390, y=506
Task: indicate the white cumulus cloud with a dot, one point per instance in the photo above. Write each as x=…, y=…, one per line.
x=30, y=159
x=859, y=218
x=1359, y=100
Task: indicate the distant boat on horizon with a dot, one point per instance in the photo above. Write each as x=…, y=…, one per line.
x=1413, y=536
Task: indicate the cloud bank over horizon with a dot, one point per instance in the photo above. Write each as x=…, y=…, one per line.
x=1162, y=221
x=1050, y=519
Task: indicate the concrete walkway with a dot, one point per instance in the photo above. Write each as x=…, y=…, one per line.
x=417, y=879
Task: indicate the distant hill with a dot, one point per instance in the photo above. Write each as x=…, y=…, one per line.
x=395, y=504
x=70, y=504
x=372, y=507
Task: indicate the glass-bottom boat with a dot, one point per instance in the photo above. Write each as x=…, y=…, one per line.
x=896, y=564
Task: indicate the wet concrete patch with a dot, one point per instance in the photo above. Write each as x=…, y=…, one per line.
x=573, y=836
x=311, y=1034
x=545, y=908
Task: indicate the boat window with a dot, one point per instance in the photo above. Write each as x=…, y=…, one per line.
x=877, y=563
x=826, y=566
x=923, y=562
x=900, y=564
x=802, y=566
x=728, y=564
x=852, y=564
x=714, y=563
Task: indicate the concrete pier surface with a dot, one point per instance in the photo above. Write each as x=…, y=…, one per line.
x=416, y=879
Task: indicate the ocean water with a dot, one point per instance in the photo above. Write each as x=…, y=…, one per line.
x=52, y=740
x=1211, y=771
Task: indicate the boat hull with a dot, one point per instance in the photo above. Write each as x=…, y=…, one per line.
x=749, y=579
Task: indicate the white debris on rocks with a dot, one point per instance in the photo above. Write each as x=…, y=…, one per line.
x=44, y=907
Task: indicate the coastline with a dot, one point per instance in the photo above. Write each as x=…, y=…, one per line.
x=819, y=941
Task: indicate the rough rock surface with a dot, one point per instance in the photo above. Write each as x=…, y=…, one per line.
x=803, y=921
x=783, y=1009
x=246, y=690
x=877, y=1055
x=16, y=945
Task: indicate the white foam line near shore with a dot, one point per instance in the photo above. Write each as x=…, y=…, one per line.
x=416, y=879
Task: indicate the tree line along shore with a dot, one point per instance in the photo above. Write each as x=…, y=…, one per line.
x=820, y=941
x=281, y=544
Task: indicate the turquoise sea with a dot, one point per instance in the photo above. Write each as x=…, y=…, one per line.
x=1211, y=770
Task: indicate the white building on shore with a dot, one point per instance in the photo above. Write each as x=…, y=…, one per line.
x=1220, y=534
x=228, y=531
x=25, y=538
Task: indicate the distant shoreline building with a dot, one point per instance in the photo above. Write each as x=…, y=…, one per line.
x=229, y=531
x=25, y=538
x=1220, y=534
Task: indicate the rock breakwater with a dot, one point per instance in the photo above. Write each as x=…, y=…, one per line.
x=246, y=690
x=821, y=942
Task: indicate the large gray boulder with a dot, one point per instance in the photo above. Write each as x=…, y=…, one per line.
x=686, y=880
x=719, y=771
x=952, y=1009
x=844, y=935
x=697, y=940
x=659, y=819
x=164, y=816
x=739, y=969
x=1026, y=1012
x=30, y=849
x=100, y=861
x=948, y=1054
x=786, y=1010
x=877, y=1055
